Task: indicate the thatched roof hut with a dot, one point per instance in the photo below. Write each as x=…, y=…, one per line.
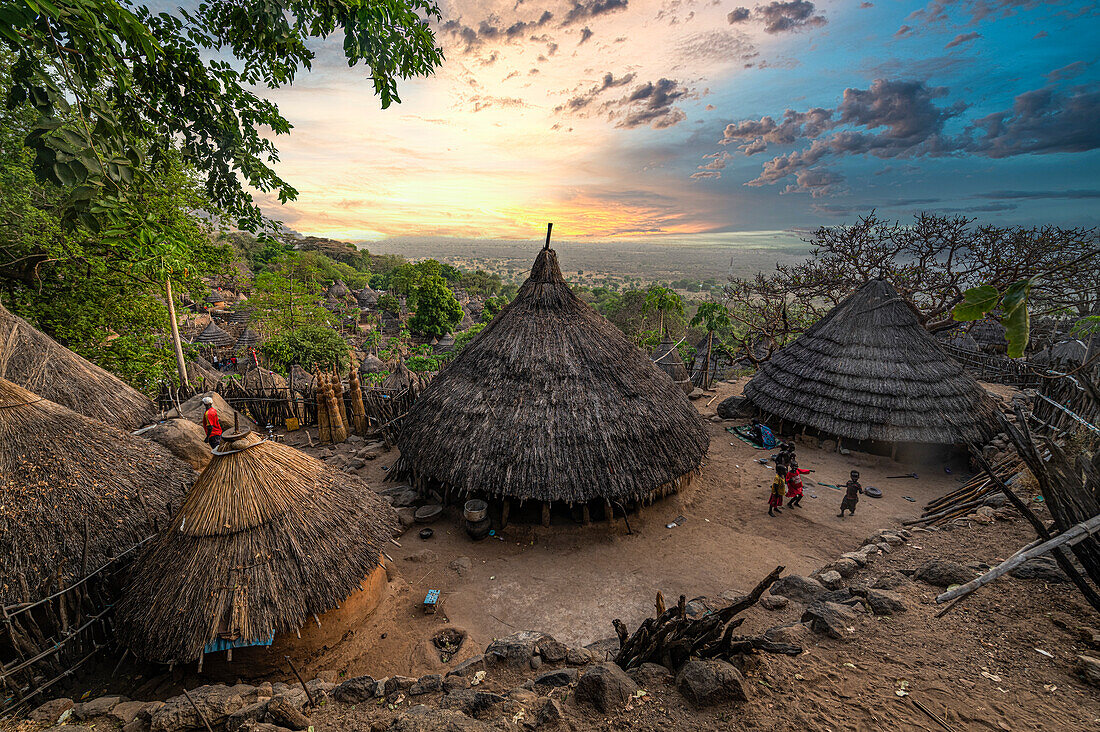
x=958, y=338
x=267, y=538
x=338, y=290
x=218, y=298
x=401, y=378
x=301, y=380
x=61, y=471
x=667, y=358
x=367, y=297
x=257, y=379
x=868, y=370
x=1067, y=353
x=990, y=335
x=33, y=360
x=249, y=338
x=551, y=402
x=214, y=336
x=371, y=365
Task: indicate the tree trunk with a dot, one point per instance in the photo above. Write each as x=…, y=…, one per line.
x=180, y=365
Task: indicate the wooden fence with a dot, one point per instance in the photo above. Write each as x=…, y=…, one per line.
x=997, y=369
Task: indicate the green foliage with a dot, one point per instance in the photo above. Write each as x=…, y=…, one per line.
x=437, y=310
x=712, y=316
x=493, y=305
x=388, y=303
x=143, y=85
x=980, y=301
x=480, y=283
x=306, y=345
x=663, y=300
x=463, y=339
x=288, y=295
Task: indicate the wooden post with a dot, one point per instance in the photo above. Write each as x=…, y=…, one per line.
x=546, y=514
x=586, y=518
x=505, y=509
x=180, y=365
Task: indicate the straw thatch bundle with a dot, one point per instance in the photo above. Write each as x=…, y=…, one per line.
x=868, y=370
x=267, y=538
x=33, y=360
x=668, y=360
x=59, y=469
x=551, y=402
x=214, y=336
x=358, y=410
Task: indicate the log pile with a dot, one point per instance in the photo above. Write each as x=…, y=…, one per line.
x=671, y=638
x=965, y=499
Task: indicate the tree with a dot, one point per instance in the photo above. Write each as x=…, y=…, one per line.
x=713, y=316
x=306, y=345
x=288, y=295
x=663, y=300
x=387, y=303
x=141, y=85
x=437, y=310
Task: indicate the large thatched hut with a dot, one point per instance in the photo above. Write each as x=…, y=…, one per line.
x=551, y=403
x=214, y=337
x=267, y=539
x=74, y=492
x=33, y=360
x=989, y=334
x=868, y=371
x=667, y=358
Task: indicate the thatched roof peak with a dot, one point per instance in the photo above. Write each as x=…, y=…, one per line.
x=551, y=402
x=212, y=335
x=869, y=370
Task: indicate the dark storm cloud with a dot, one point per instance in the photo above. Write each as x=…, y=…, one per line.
x=1041, y=121
x=780, y=17
x=584, y=10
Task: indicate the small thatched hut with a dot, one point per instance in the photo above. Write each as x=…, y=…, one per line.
x=217, y=299
x=61, y=474
x=367, y=297
x=338, y=290
x=958, y=338
x=249, y=339
x=267, y=539
x=868, y=370
x=1066, y=354
x=989, y=335
x=401, y=378
x=551, y=403
x=667, y=358
x=214, y=337
x=37, y=362
x=301, y=380
x=372, y=365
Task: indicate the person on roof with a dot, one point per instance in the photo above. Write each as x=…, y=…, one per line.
x=211, y=424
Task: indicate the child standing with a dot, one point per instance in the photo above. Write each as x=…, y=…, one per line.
x=775, y=500
x=852, y=489
x=794, y=484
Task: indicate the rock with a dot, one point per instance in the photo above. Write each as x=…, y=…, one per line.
x=403, y=499
x=135, y=725
x=462, y=566
x=536, y=663
x=798, y=588
x=127, y=712
x=828, y=445
x=995, y=500
x=282, y=712
x=471, y=702
x=859, y=558
x=424, y=556
x=468, y=667
x=354, y=691
x=883, y=547
x=710, y=682
x=516, y=649
x=578, y=657
x=1045, y=569
x=183, y=438
x=246, y=715
x=774, y=602
x=522, y=695
x=99, y=707
x=551, y=651
x=558, y=677
x=943, y=573
x=831, y=619
x=406, y=516
x=51, y=711
x=696, y=393
x=892, y=580
x=216, y=702
x=550, y=715
x=830, y=579
x=402, y=683
x=1089, y=668
x=885, y=602
x=425, y=719
x=426, y=685
x=450, y=683
x=193, y=410
x=730, y=407
x=798, y=634
x=892, y=539
x=650, y=674
x=606, y=687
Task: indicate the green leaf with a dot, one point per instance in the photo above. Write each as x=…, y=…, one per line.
x=1016, y=318
x=977, y=303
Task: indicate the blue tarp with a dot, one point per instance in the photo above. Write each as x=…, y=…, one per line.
x=224, y=645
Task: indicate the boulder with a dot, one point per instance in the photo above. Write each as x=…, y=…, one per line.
x=943, y=573
x=471, y=702
x=550, y=715
x=606, y=687
x=193, y=410
x=469, y=667
x=425, y=719
x=354, y=691
x=1045, y=569
x=706, y=683
x=551, y=651
x=831, y=619
x=183, y=438
x=774, y=602
x=730, y=407
x=99, y=707
x=892, y=580
x=797, y=634
x=798, y=588
x=558, y=677
x=830, y=579
x=650, y=674
x=578, y=657
x=516, y=649
x=885, y=602
x=1089, y=668
x=426, y=685
x=51, y=711
x=216, y=702
x=126, y=712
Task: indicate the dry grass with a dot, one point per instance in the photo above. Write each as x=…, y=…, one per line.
x=551, y=402
x=266, y=538
x=59, y=469
x=869, y=371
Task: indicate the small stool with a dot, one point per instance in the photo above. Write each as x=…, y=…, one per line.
x=431, y=602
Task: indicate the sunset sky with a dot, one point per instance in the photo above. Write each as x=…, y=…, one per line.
x=679, y=117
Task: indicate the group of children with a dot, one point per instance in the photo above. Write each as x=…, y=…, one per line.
x=788, y=483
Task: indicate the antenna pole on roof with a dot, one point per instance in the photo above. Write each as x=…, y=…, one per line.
x=548, y=228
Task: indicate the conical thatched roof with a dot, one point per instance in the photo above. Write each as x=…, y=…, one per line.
x=1066, y=353
x=60, y=469
x=371, y=365
x=401, y=378
x=338, y=290
x=989, y=334
x=367, y=297
x=551, y=402
x=668, y=360
x=219, y=296
x=267, y=537
x=959, y=339
x=301, y=380
x=214, y=336
x=37, y=362
x=248, y=339
x=868, y=370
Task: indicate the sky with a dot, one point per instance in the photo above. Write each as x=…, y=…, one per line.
x=674, y=118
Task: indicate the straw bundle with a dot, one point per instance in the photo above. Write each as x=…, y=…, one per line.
x=550, y=402
x=59, y=469
x=267, y=538
x=869, y=370
x=358, y=410
x=338, y=396
x=324, y=420
x=37, y=362
x=337, y=426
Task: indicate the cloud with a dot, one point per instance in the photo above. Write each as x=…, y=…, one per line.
x=586, y=33
x=585, y=10
x=902, y=32
x=780, y=17
x=974, y=11
x=706, y=175
x=718, y=46
x=963, y=38
x=1073, y=194
x=718, y=161
x=652, y=104
x=818, y=183
x=491, y=29
x=583, y=100
x=1068, y=72
x=906, y=119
